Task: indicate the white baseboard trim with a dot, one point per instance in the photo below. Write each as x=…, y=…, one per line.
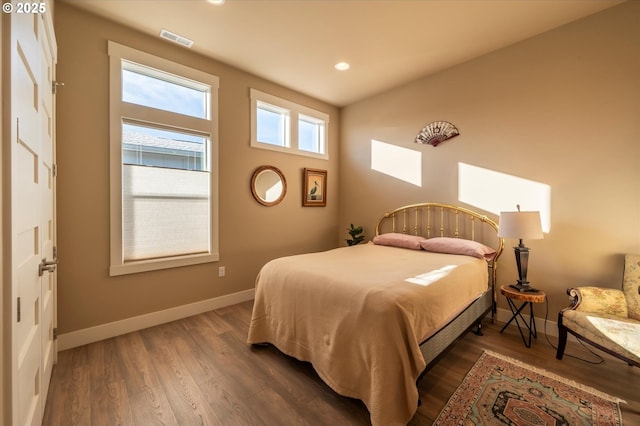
x=503, y=315
x=116, y=328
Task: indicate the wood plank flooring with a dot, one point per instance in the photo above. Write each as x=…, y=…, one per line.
x=200, y=371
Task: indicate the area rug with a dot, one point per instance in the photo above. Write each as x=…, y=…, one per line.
x=499, y=390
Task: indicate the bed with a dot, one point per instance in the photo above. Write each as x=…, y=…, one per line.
x=371, y=318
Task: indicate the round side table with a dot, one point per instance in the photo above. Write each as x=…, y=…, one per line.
x=527, y=298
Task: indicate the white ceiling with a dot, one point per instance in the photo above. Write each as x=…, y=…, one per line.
x=387, y=42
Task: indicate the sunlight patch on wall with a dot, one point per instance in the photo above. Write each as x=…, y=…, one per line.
x=496, y=192
x=401, y=163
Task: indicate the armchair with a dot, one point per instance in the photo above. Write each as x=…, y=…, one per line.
x=606, y=318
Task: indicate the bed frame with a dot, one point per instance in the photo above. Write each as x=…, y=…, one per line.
x=442, y=220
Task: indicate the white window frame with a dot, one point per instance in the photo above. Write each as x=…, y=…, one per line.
x=295, y=111
x=120, y=111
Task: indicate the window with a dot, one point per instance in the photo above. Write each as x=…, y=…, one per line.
x=311, y=136
x=280, y=125
x=272, y=125
x=164, y=178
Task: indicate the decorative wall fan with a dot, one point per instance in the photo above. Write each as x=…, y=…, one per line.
x=436, y=132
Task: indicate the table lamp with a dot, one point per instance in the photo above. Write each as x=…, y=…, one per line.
x=521, y=225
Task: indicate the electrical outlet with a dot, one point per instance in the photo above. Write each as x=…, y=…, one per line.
x=221, y=271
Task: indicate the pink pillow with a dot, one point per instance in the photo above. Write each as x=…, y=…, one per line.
x=458, y=246
x=395, y=239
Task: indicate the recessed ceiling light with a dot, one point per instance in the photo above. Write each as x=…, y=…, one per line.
x=341, y=66
x=216, y=2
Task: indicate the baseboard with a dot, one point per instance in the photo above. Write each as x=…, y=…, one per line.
x=503, y=315
x=116, y=328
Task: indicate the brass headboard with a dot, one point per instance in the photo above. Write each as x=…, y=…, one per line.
x=441, y=220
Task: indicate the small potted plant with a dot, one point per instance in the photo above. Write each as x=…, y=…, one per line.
x=356, y=235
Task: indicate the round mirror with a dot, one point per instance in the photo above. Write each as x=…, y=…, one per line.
x=268, y=185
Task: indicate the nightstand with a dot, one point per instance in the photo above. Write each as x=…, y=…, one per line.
x=527, y=298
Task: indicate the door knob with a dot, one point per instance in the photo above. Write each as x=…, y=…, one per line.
x=47, y=265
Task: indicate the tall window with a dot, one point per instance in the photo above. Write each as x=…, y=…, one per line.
x=281, y=125
x=164, y=175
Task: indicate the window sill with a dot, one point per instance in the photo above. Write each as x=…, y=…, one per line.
x=293, y=151
x=163, y=263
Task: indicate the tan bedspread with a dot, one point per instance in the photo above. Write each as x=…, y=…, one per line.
x=359, y=313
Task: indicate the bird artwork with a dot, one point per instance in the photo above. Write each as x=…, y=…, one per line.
x=312, y=193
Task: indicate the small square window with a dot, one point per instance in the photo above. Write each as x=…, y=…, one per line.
x=311, y=134
x=272, y=125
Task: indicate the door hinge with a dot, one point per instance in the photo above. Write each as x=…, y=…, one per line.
x=54, y=86
x=18, y=309
x=55, y=252
x=55, y=170
x=55, y=333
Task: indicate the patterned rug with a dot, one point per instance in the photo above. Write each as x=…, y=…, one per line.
x=499, y=390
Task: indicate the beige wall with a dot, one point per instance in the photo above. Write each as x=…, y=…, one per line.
x=561, y=108
x=250, y=234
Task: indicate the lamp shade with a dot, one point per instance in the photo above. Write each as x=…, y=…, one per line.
x=521, y=225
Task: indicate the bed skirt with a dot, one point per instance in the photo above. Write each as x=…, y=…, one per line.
x=435, y=345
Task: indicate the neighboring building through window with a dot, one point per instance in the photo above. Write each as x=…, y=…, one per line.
x=164, y=178
x=281, y=125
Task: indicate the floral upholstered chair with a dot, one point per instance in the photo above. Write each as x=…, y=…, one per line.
x=606, y=318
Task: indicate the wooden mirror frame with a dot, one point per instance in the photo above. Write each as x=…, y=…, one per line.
x=255, y=190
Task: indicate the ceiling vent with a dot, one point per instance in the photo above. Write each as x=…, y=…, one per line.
x=176, y=38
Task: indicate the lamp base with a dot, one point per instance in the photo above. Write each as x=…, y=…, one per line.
x=522, y=261
x=524, y=288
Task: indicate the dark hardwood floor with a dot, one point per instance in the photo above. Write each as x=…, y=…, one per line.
x=200, y=370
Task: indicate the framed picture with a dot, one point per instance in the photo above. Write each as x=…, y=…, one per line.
x=315, y=188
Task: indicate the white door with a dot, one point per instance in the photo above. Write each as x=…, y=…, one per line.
x=32, y=57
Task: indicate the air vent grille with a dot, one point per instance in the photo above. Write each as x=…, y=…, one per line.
x=176, y=38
